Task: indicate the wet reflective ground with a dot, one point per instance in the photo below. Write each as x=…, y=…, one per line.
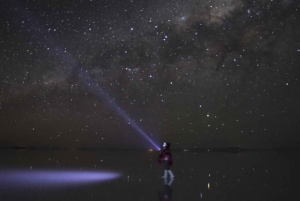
x=135, y=175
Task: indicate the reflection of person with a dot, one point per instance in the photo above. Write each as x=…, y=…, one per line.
x=166, y=193
x=165, y=158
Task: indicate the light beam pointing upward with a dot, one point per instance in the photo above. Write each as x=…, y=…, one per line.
x=59, y=53
x=100, y=93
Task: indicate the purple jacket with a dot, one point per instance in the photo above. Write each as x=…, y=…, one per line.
x=165, y=153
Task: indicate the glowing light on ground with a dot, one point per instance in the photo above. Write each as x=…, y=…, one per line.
x=33, y=178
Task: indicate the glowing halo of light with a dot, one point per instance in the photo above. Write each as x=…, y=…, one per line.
x=33, y=178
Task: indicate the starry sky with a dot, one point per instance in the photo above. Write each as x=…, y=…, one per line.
x=196, y=73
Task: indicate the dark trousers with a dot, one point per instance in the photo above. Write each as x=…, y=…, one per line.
x=166, y=165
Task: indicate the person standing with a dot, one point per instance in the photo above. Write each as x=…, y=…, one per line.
x=165, y=158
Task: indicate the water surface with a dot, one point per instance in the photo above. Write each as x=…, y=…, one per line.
x=135, y=175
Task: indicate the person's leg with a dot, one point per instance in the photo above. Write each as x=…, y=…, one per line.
x=171, y=173
x=166, y=166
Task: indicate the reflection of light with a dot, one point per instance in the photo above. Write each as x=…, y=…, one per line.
x=208, y=185
x=23, y=178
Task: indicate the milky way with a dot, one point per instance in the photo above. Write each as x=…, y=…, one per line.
x=195, y=73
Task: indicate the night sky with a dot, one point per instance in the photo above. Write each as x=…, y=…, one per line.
x=196, y=73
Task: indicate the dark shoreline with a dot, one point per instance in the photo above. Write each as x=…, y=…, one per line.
x=198, y=150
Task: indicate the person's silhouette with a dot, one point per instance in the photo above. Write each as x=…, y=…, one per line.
x=165, y=157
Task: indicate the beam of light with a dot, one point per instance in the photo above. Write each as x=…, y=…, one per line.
x=45, y=38
x=100, y=93
x=47, y=178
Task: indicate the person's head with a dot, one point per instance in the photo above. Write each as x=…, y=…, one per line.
x=166, y=145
